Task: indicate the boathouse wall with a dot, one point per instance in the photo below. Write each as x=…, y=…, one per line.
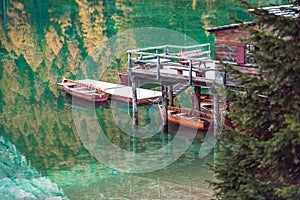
x=229, y=39
x=227, y=42
x=231, y=46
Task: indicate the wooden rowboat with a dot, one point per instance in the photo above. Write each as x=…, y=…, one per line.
x=65, y=82
x=187, y=118
x=83, y=91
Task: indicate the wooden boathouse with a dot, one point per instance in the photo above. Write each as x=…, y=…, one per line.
x=230, y=49
x=175, y=68
x=229, y=45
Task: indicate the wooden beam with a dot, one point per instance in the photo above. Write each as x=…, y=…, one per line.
x=171, y=78
x=172, y=55
x=179, y=71
x=190, y=72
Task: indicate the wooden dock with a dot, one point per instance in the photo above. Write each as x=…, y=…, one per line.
x=122, y=92
x=175, y=68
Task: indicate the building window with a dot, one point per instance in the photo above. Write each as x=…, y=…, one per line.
x=245, y=55
x=250, y=47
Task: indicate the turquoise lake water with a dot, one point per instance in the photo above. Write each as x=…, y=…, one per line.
x=43, y=41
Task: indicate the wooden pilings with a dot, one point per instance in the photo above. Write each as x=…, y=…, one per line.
x=197, y=100
x=171, y=96
x=190, y=72
x=158, y=68
x=134, y=104
x=134, y=94
x=129, y=64
x=165, y=108
x=216, y=114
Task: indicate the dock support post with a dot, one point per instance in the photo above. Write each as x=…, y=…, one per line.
x=134, y=95
x=134, y=104
x=165, y=108
x=190, y=72
x=158, y=68
x=197, y=100
x=171, y=97
x=216, y=114
x=166, y=50
x=208, y=49
x=224, y=76
x=129, y=64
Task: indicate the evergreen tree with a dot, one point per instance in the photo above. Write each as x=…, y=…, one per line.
x=260, y=159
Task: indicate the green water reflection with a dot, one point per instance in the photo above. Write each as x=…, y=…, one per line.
x=43, y=41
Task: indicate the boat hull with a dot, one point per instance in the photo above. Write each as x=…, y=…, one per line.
x=179, y=117
x=200, y=125
x=87, y=98
x=71, y=88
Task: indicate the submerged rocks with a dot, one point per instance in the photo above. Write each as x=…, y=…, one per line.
x=19, y=180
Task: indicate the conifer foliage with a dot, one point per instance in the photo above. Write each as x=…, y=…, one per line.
x=260, y=159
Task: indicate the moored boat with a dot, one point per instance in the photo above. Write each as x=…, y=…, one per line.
x=66, y=82
x=81, y=103
x=187, y=117
x=83, y=91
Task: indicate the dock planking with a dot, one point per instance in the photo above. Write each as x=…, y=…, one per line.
x=122, y=92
